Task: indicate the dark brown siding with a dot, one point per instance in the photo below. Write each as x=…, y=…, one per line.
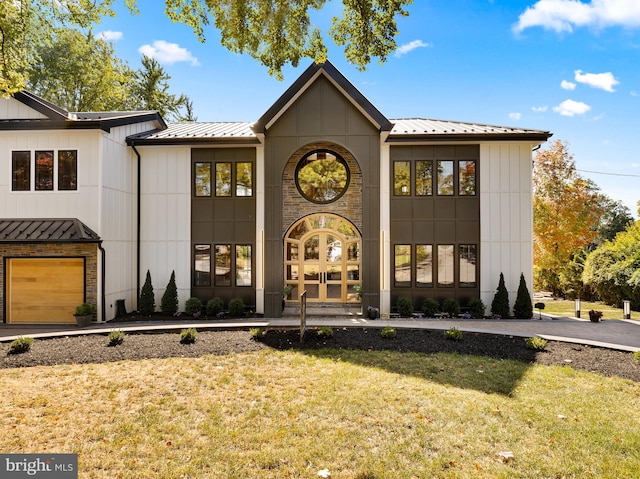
x=322, y=115
x=435, y=220
x=224, y=220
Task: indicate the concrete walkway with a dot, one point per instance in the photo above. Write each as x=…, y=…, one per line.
x=614, y=334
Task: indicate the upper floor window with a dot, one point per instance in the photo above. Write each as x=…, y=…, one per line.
x=20, y=170
x=44, y=169
x=322, y=176
x=450, y=177
x=227, y=179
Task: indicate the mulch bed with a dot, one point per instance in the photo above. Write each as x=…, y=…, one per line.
x=95, y=348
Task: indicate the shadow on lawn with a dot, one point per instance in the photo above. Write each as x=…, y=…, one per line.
x=477, y=361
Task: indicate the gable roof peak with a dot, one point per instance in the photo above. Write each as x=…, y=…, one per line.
x=304, y=81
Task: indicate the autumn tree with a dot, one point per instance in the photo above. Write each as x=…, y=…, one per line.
x=273, y=32
x=566, y=213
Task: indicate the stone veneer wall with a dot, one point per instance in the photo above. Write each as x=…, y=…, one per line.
x=45, y=250
x=295, y=206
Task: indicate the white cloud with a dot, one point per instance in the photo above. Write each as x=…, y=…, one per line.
x=515, y=116
x=572, y=108
x=407, y=47
x=540, y=109
x=634, y=93
x=109, y=35
x=564, y=15
x=169, y=53
x=604, y=81
x=567, y=85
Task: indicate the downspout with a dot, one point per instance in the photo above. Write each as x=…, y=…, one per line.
x=102, y=281
x=138, y=209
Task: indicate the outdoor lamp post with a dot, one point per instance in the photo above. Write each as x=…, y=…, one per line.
x=577, y=307
x=626, y=308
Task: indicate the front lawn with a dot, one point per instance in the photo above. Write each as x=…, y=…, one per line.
x=355, y=414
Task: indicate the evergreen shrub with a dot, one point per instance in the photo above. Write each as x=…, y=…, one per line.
x=405, y=307
x=523, y=308
x=500, y=303
x=169, y=301
x=147, y=304
x=430, y=307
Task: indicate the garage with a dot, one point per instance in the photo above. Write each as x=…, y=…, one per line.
x=47, y=268
x=44, y=290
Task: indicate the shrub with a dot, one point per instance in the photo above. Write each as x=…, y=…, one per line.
x=430, y=307
x=193, y=306
x=636, y=357
x=188, y=336
x=325, y=332
x=21, y=344
x=405, y=307
x=537, y=344
x=451, y=307
x=85, y=309
x=388, y=332
x=523, y=308
x=214, y=307
x=236, y=307
x=453, y=334
x=500, y=303
x=257, y=333
x=116, y=337
x=169, y=301
x=147, y=304
x=476, y=308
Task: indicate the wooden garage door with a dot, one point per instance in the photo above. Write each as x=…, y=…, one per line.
x=44, y=290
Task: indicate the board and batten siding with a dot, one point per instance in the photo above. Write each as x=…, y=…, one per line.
x=166, y=218
x=506, y=218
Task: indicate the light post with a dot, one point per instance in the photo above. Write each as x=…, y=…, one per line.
x=577, y=307
x=626, y=308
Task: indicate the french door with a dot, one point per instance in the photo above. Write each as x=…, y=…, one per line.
x=322, y=256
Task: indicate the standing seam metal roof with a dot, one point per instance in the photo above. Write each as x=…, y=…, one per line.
x=58, y=230
x=405, y=128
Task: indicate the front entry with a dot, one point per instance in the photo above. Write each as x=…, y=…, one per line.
x=322, y=257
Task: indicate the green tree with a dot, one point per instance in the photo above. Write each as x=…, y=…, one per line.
x=616, y=217
x=613, y=269
x=500, y=303
x=147, y=304
x=566, y=214
x=169, y=301
x=80, y=72
x=273, y=32
x=523, y=308
x=151, y=90
x=25, y=25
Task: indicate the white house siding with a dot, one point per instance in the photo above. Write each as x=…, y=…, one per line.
x=12, y=109
x=506, y=217
x=117, y=222
x=82, y=203
x=166, y=218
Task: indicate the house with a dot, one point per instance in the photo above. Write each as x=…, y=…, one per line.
x=322, y=194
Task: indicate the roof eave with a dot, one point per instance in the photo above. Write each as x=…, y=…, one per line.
x=191, y=141
x=535, y=137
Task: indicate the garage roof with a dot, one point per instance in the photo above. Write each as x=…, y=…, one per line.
x=49, y=230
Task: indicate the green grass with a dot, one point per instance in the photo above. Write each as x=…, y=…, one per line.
x=361, y=415
x=566, y=308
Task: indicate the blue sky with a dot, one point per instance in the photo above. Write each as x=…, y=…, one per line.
x=571, y=67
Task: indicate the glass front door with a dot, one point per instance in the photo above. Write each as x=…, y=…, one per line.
x=322, y=257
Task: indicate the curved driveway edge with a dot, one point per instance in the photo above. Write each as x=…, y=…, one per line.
x=612, y=334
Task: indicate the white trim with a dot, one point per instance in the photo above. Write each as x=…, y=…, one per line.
x=260, y=225
x=385, y=225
